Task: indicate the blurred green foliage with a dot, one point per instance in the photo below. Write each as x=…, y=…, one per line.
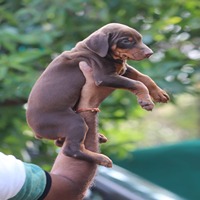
x=33, y=32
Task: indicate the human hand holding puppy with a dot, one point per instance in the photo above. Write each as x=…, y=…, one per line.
x=91, y=94
x=69, y=180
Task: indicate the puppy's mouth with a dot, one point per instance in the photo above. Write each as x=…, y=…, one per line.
x=148, y=55
x=139, y=56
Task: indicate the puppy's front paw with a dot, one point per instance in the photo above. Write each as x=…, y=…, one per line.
x=160, y=95
x=105, y=161
x=146, y=104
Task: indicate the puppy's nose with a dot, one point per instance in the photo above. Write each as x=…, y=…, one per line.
x=147, y=51
x=148, y=54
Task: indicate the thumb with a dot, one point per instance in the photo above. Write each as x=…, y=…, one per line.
x=84, y=66
x=86, y=69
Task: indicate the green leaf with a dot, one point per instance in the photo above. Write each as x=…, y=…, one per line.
x=173, y=20
x=3, y=72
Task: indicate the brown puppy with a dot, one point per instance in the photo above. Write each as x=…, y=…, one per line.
x=52, y=102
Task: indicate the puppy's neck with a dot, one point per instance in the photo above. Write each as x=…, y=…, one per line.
x=114, y=59
x=120, y=65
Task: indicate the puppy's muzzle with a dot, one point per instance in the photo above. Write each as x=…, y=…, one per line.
x=148, y=55
x=147, y=51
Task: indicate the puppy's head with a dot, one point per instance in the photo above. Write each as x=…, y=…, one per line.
x=121, y=41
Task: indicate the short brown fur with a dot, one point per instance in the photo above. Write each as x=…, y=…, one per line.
x=53, y=99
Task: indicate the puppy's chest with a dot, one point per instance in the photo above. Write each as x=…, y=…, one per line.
x=120, y=68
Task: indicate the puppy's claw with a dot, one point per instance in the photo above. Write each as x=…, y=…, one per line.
x=166, y=97
x=38, y=136
x=160, y=96
x=102, y=138
x=147, y=105
x=59, y=142
x=106, y=162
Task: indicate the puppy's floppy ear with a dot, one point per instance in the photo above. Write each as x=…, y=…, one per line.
x=98, y=43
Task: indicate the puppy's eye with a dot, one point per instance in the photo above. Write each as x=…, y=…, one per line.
x=125, y=43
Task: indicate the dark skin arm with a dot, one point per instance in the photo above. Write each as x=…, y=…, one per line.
x=71, y=177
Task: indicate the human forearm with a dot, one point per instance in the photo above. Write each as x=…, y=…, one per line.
x=91, y=95
x=71, y=177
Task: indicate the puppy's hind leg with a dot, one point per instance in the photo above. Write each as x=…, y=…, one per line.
x=76, y=129
x=60, y=141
